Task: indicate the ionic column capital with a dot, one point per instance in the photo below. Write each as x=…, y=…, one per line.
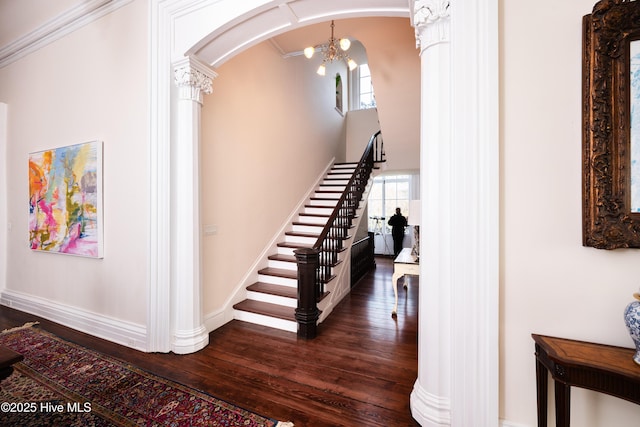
x=193, y=78
x=432, y=21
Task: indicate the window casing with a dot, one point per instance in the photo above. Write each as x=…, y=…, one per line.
x=362, y=94
x=388, y=193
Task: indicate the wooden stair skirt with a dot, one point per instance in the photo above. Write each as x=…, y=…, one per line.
x=272, y=300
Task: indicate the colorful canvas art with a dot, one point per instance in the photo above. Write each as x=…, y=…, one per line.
x=65, y=200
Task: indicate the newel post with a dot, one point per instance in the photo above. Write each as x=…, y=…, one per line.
x=307, y=313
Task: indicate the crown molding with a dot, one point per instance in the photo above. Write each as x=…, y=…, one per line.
x=67, y=22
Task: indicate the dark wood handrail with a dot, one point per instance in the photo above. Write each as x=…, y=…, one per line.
x=330, y=241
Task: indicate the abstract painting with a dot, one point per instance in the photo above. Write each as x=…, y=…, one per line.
x=65, y=200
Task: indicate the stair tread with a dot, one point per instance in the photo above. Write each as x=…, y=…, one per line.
x=271, y=289
x=283, y=258
x=294, y=245
x=292, y=258
x=315, y=215
x=308, y=224
x=279, y=272
x=302, y=234
x=266, y=309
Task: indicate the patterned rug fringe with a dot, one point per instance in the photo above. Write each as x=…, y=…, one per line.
x=19, y=328
x=285, y=424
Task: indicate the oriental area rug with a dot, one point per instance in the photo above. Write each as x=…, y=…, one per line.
x=60, y=383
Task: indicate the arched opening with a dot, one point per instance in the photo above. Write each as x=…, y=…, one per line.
x=176, y=29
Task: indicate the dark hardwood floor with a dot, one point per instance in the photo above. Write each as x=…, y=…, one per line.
x=359, y=371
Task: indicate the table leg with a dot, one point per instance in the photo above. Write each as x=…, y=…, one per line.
x=542, y=382
x=394, y=282
x=563, y=404
x=6, y=372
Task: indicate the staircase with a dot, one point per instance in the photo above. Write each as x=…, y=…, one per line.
x=272, y=299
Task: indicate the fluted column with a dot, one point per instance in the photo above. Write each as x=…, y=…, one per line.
x=458, y=360
x=194, y=80
x=431, y=396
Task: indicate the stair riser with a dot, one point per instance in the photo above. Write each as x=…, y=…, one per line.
x=320, y=221
x=299, y=239
x=318, y=210
x=284, y=265
x=334, y=196
x=331, y=203
x=335, y=182
x=275, y=280
x=286, y=251
x=273, y=299
x=331, y=188
x=345, y=176
x=272, y=322
x=308, y=228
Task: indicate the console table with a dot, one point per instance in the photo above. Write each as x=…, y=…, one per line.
x=603, y=368
x=404, y=264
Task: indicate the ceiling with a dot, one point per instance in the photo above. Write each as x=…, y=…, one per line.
x=311, y=35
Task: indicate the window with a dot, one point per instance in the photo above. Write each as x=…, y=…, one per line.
x=367, y=98
x=388, y=193
x=361, y=89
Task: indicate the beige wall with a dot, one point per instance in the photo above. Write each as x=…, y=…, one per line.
x=361, y=124
x=269, y=129
x=550, y=284
x=395, y=72
x=89, y=85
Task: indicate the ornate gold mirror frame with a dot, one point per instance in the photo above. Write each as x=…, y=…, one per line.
x=611, y=137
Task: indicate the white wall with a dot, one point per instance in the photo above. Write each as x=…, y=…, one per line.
x=89, y=85
x=4, y=226
x=361, y=124
x=550, y=284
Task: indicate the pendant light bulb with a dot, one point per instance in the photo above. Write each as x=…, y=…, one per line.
x=309, y=51
x=345, y=44
x=322, y=70
x=352, y=64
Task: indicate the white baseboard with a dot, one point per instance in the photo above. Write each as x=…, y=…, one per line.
x=505, y=423
x=430, y=410
x=218, y=318
x=118, y=331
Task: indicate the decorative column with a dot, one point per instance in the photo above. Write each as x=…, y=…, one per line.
x=431, y=396
x=458, y=342
x=194, y=80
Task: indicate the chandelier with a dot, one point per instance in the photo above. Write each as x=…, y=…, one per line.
x=335, y=50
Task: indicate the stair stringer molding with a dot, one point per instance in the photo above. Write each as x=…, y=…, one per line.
x=225, y=314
